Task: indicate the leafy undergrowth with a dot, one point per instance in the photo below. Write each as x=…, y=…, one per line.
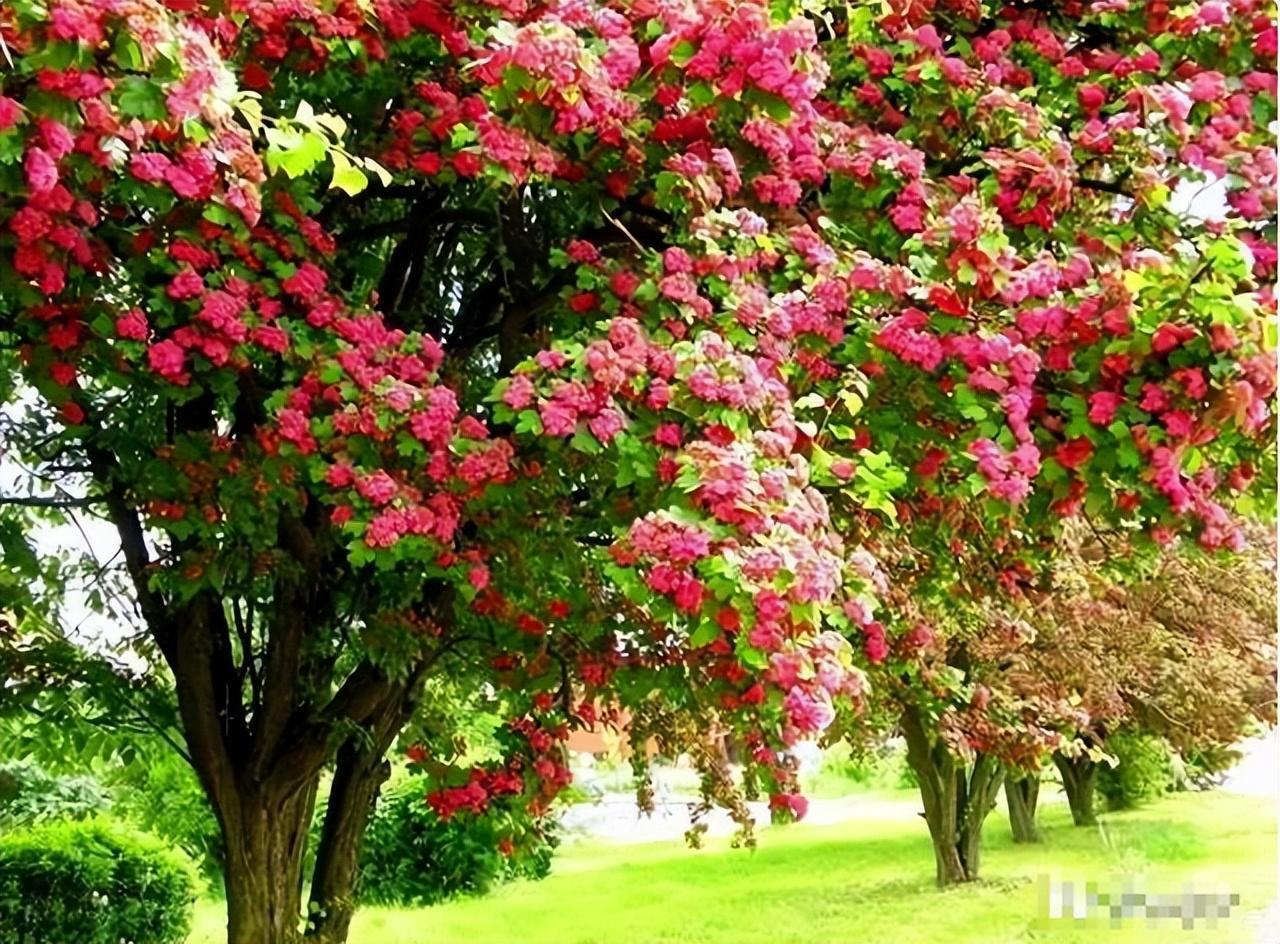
x=863, y=881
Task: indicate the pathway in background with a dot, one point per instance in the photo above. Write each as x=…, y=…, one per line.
x=614, y=816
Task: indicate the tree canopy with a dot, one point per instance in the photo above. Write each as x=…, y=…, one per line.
x=663, y=355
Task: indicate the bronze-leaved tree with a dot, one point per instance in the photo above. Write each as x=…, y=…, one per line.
x=1184, y=652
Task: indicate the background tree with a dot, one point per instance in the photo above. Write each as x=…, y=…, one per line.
x=970, y=728
x=592, y=353
x=1185, y=654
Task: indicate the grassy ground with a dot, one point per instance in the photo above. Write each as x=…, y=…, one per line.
x=864, y=882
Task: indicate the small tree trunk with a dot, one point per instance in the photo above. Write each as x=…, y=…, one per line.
x=956, y=800
x=985, y=777
x=357, y=779
x=1078, y=776
x=1022, y=795
x=359, y=773
x=266, y=837
x=949, y=866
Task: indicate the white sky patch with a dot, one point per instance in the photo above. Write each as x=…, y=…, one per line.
x=1202, y=200
x=84, y=535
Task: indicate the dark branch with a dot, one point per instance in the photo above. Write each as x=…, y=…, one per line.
x=36, y=501
x=1103, y=186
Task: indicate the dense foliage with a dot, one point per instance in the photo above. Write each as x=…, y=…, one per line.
x=91, y=883
x=412, y=857
x=668, y=356
x=162, y=795
x=30, y=795
x=1185, y=652
x=1143, y=770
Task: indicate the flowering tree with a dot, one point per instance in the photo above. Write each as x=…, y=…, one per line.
x=972, y=714
x=593, y=351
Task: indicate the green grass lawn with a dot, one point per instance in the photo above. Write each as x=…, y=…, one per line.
x=865, y=882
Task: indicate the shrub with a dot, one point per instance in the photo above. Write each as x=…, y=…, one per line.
x=1144, y=771
x=91, y=882
x=30, y=795
x=413, y=857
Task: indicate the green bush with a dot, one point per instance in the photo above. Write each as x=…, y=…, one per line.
x=412, y=857
x=1145, y=771
x=29, y=795
x=1205, y=768
x=91, y=882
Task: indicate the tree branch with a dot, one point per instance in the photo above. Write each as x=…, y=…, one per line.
x=1104, y=186
x=37, y=501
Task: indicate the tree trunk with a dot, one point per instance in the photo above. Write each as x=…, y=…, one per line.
x=257, y=734
x=266, y=822
x=1078, y=776
x=266, y=838
x=359, y=773
x=263, y=789
x=359, y=776
x=1022, y=795
x=957, y=799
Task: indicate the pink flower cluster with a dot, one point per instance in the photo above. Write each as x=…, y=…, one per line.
x=907, y=337
x=1008, y=474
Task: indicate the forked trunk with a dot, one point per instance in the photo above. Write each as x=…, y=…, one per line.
x=957, y=799
x=1022, y=795
x=266, y=839
x=263, y=785
x=1078, y=777
x=246, y=680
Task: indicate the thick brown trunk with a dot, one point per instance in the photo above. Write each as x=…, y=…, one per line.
x=1022, y=795
x=266, y=828
x=266, y=839
x=255, y=736
x=957, y=799
x=1078, y=777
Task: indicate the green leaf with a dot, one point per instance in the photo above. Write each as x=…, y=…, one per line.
x=141, y=98
x=127, y=52
x=347, y=177
x=682, y=52
x=772, y=105
x=706, y=633
x=461, y=136
x=529, y=422
x=218, y=215
x=810, y=401
x=12, y=145
x=294, y=152
x=701, y=94
x=583, y=441
x=334, y=124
